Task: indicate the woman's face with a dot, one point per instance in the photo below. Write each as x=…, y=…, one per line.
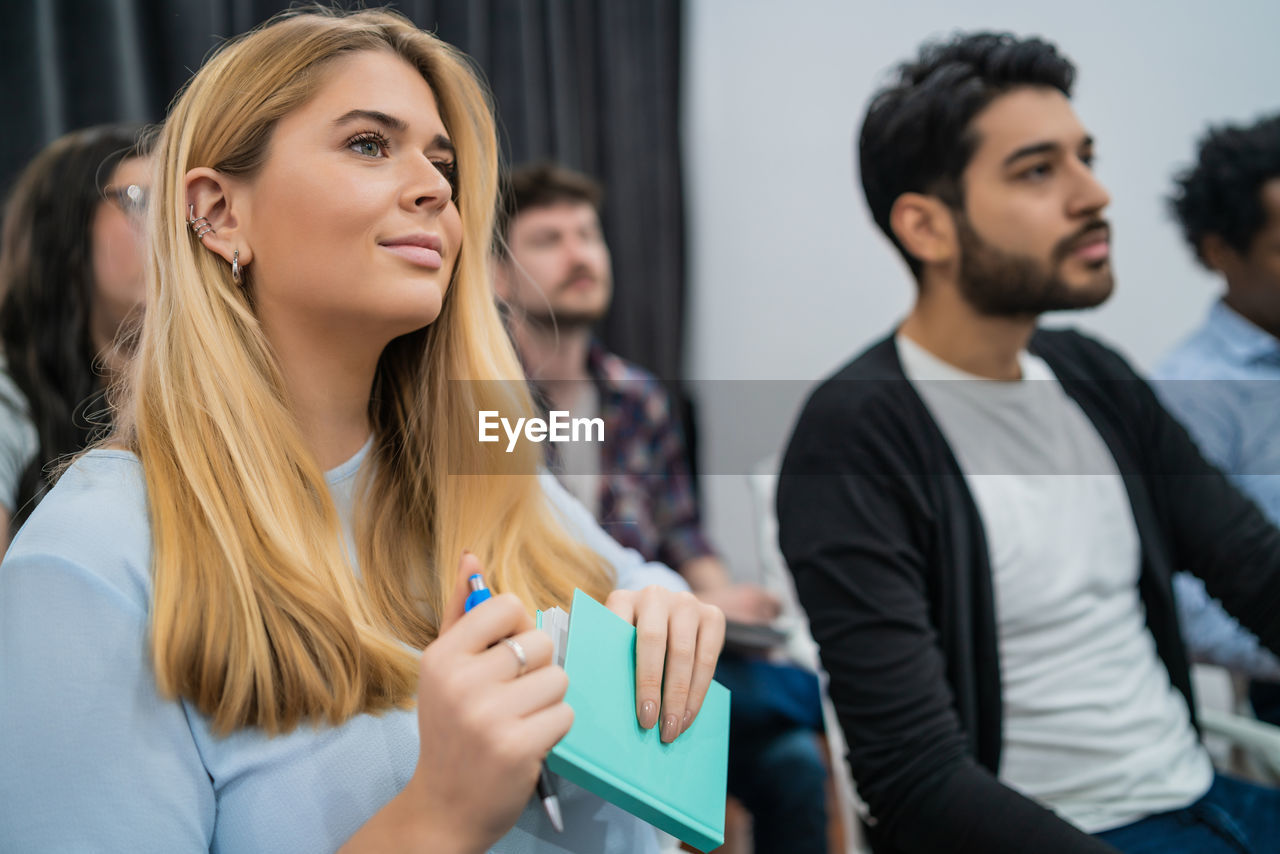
x=351, y=220
x=118, y=245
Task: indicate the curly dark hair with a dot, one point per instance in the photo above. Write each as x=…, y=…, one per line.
x=917, y=135
x=46, y=286
x=1221, y=194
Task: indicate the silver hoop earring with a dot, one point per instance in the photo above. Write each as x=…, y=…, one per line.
x=199, y=224
x=236, y=276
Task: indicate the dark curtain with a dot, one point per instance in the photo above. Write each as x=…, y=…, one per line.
x=594, y=85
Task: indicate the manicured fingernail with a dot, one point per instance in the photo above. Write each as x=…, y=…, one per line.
x=669, y=728
x=688, y=719
x=648, y=714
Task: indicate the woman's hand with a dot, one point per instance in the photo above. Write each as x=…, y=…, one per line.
x=485, y=724
x=678, y=641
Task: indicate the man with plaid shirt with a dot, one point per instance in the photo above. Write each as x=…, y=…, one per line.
x=555, y=280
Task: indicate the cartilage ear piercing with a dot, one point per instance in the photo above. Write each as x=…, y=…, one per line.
x=199, y=224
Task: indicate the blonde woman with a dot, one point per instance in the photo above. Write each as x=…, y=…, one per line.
x=212, y=629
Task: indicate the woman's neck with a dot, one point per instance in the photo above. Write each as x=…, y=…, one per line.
x=329, y=389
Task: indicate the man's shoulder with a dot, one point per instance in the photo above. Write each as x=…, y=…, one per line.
x=1197, y=357
x=638, y=395
x=868, y=380
x=865, y=414
x=617, y=372
x=1076, y=355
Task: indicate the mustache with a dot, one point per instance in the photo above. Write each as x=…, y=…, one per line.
x=579, y=272
x=1088, y=233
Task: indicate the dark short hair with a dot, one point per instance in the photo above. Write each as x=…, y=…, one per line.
x=539, y=185
x=1222, y=193
x=917, y=135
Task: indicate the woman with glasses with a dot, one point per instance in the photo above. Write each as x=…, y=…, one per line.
x=70, y=279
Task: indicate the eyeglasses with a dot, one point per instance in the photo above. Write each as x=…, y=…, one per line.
x=131, y=199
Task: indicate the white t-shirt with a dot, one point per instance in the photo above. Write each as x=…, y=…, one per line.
x=1093, y=728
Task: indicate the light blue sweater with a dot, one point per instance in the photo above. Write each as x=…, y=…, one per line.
x=92, y=759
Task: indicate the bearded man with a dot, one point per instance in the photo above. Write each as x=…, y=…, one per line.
x=983, y=517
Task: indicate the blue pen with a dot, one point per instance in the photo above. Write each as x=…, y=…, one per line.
x=546, y=792
x=479, y=591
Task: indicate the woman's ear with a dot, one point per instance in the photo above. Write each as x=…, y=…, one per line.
x=925, y=227
x=222, y=203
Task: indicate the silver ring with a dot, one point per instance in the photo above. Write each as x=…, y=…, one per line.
x=518, y=651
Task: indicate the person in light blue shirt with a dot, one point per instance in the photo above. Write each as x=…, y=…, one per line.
x=94, y=759
x=237, y=624
x=1223, y=380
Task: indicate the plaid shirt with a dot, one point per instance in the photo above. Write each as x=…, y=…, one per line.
x=646, y=499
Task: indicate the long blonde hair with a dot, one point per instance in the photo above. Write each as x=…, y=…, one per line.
x=258, y=617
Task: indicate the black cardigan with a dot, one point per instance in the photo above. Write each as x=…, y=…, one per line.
x=887, y=549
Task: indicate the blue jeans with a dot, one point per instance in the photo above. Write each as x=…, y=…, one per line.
x=775, y=766
x=1233, y=817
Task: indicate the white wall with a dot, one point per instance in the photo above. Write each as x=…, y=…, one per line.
x=788, y=276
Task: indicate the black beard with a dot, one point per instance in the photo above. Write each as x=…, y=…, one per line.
x=1001, y=284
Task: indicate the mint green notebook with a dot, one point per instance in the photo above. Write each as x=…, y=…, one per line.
x=677, y=787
